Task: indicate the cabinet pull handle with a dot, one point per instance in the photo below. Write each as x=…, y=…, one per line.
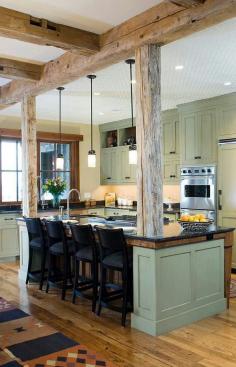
x=172, y=152
x=108, y=178
x=127, y=178
x=8, y=218
x=219, y=200
x=198, y=157
x=172, y=176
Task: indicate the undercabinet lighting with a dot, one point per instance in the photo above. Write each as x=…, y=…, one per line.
x=227, y=84
x=179, y=67
x=97, y=93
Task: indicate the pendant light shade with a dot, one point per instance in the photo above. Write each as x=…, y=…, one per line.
x=60, y=157
x=132, y=147
x=91, y=152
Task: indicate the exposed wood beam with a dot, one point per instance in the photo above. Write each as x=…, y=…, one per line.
x=29, y=152
x=187, y=3
x=177, y=23
x=14, y=69
x=14, y=24
x=149, y=141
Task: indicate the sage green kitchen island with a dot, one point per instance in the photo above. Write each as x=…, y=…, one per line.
x=178, y=278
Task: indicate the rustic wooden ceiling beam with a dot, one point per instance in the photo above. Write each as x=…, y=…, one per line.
x=17, y=25
x=187, y=3
x=178, y=23
x=14, y=69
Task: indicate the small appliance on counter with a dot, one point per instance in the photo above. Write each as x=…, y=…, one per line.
x=198, y=191
x=110, y=199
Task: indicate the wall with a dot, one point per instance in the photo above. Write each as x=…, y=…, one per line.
x=89, y=177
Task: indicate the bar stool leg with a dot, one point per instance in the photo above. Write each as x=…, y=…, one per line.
x=95, y=286
x=65, y=275
x=43, y=263
x=125, y=298
x=29, y=264
x=49, y=271
x=77, y=263
x=101, y=289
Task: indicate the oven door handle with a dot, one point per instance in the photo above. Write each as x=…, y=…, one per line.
x=219, y=199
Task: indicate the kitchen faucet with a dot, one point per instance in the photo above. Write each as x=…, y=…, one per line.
x=68, y=200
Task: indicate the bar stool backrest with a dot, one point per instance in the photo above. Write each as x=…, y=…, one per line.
x=112, y=241
x=83, y=236
x=56, y=233
x=35, y=229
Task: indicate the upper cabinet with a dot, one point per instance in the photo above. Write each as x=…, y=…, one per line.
x=198, y=137
x=170, y=120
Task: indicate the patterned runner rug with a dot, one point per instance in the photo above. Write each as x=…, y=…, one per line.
x=26, y=341
x=233, y=288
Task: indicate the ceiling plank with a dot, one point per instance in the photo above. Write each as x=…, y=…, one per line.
x=14, y=69
x=187, y=3
x=17, y=25
x=114, y=49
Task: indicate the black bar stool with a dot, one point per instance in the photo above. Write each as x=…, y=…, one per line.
x=86, y=252
x=59, y=247
x=115, y=255
x=37, y=242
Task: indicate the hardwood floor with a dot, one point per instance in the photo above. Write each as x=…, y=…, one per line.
x=208, y=343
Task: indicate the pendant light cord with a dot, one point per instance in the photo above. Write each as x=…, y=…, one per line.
x=131, y=95
x=91, y=111
x=60, y=117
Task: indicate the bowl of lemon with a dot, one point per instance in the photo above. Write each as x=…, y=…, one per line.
x=195, y=223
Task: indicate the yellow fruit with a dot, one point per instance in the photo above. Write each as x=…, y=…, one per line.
x=184, y=217
x=203, y=220
x=191, y=218
x=202, y=216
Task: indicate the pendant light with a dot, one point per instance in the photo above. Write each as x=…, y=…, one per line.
x=91, y=152
x=60, y=157
x=132, y=147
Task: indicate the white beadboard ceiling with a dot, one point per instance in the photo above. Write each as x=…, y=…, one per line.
x=208, y=57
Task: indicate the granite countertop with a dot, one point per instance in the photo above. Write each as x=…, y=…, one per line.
x=171, y=231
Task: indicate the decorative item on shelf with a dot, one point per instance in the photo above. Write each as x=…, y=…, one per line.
x=132, y=147
x=112, y=139
x=91, y=152
x=169, y=201
x=55, y=187
x=60, y=157
x=110, y=199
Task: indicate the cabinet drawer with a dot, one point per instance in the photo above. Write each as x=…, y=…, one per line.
x=98, y=211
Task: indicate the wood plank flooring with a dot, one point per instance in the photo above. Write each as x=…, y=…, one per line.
x=208, y=343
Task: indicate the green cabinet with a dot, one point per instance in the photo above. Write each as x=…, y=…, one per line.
x=198, y=137
x=109, y=166
x=115, y=167
x=9, y=243
x=128, y=171
x=170, y=120
x=171, y=171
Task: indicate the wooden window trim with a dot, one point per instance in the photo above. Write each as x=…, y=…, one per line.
x=72, y=139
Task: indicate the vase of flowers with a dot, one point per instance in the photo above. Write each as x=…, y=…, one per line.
x=56, y=187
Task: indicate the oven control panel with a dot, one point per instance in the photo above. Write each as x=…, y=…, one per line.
x=198, y=171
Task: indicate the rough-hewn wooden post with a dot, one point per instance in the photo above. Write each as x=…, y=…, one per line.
x=149, y=140
x=29, y=157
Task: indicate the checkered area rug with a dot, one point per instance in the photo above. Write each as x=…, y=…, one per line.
x=26, y=341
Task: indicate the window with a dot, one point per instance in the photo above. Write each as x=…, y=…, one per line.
x=47, y=148
x=10, y=170
x=48, y=154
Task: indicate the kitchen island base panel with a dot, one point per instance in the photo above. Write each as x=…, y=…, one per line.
x=156, y=328
x=178, y=285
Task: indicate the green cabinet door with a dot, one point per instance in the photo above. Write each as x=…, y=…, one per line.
x=171, y=172
x=128, y=171
x=171, y=138
x=198, y=137
x=109, y=166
